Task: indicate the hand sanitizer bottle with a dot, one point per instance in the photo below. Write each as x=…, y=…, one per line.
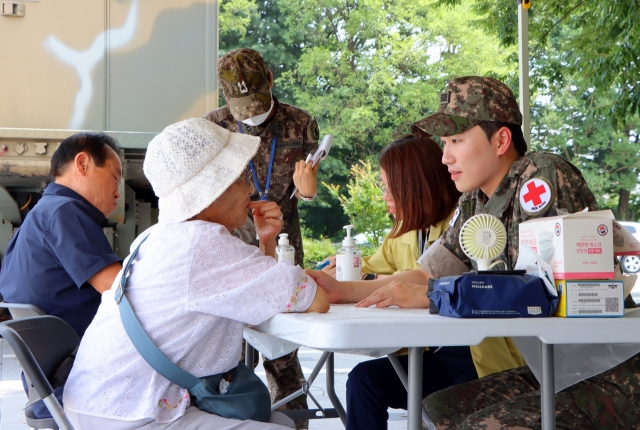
x=286, y=253
x=348, y=259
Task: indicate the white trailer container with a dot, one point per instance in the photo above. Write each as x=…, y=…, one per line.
x=128, y=67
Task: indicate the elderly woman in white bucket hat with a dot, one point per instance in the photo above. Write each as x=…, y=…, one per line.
x=193, y=287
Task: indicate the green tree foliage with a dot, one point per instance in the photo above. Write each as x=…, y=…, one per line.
x=316, y=250
x=363, y=205
x=595, y=40
x=373, y=68
x=567, y=123
x=586, y=86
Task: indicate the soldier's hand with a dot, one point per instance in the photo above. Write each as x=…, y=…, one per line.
x=267, y=217
x=304, y=178
x=327, y=283
x=399, y=294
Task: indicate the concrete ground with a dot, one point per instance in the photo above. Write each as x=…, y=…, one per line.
x=13, y=398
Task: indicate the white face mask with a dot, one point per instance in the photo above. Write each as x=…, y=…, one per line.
x=258, y=119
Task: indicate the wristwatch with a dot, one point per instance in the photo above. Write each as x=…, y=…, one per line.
x=369, y=276
x=305, y=198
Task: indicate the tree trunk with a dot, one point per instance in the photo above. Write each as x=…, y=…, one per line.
x=623, y=205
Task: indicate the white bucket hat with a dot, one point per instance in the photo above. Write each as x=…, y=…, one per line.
x=192, y=162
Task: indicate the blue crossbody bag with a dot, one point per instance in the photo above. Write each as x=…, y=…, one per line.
x=244, y=396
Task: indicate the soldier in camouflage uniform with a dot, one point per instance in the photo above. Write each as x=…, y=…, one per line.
x=479, y=122
x=246, y=85
x=535, y=185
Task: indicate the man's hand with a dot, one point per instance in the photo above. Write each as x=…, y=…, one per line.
x=267, y=217
x=320, y=302
x=399, y=294
x=304, y=178
x=327, y=283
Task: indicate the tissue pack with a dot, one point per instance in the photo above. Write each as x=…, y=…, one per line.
x=576, y=246
x=590, y=298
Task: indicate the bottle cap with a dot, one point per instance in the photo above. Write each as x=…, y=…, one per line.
x=348, y=241
x=284, y=239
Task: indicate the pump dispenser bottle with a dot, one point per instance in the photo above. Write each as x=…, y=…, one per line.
x=348, y=259
x=286, y=253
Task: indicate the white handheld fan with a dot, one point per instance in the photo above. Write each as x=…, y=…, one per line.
x=483, y=238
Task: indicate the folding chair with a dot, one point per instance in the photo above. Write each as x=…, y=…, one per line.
x=44, y=345
x=22, y=310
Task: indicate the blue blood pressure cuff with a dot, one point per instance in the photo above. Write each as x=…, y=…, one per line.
x=491, y=295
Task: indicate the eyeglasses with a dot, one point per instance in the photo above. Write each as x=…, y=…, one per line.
x=247, y=177
x=383, y=188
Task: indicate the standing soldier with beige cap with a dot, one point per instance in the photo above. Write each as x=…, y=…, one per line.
x=287, y=135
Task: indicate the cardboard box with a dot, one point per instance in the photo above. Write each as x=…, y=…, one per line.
x=590, y=298
x=576, y=246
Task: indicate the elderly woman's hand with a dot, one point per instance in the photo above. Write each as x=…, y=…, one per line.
x=267, y=217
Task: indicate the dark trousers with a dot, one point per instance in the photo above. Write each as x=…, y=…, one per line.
x=373, y=386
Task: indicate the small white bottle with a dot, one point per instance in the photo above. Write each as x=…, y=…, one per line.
x=286, y=253
x=348, y=259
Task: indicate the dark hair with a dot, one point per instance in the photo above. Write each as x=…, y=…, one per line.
x=97, y=145
x=517, y=138
x=419, y=183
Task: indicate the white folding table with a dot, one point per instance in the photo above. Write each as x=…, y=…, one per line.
x=348, y=329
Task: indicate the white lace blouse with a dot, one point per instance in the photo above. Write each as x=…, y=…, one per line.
x=193, y=288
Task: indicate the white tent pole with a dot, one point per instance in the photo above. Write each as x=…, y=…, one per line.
x=523, y=69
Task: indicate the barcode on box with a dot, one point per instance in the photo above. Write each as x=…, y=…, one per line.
x=588, y=300
x=588, y=294
x=587, y=311
x=612, y=304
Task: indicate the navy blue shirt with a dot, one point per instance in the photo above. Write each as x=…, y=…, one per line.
x=58, y=247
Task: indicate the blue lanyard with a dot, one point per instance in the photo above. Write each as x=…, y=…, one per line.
x=263, y=194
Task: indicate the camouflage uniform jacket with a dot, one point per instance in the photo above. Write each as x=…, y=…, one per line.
x=296, y=135
x=569, y=192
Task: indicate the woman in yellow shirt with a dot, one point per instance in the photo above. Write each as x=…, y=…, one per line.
x=425, y=193
x=421, y=197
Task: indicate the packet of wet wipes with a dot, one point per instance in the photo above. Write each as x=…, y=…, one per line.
x=534, y=265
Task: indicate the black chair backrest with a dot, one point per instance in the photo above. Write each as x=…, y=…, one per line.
x=41, y=344
x=22, y=310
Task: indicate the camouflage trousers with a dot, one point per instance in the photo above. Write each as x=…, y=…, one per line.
x=511, y=400
x=284, y=377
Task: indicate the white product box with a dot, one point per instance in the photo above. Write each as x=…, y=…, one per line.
x=577, y=246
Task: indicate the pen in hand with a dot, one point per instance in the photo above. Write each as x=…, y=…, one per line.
x=296, y=188
x=322, y=265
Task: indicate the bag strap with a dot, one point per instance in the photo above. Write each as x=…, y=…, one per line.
x=140, y=339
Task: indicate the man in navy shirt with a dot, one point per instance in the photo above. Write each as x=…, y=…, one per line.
x=59, y=259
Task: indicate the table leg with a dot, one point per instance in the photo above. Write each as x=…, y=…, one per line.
x=248, y=356
x=414, y=398
x=547, y=387
x=331, y=392
x=403, y=378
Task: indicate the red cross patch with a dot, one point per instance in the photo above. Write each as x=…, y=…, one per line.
x=536, y=195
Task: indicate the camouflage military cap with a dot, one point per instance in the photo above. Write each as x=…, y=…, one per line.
x=465, y=103
x=244, y=79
